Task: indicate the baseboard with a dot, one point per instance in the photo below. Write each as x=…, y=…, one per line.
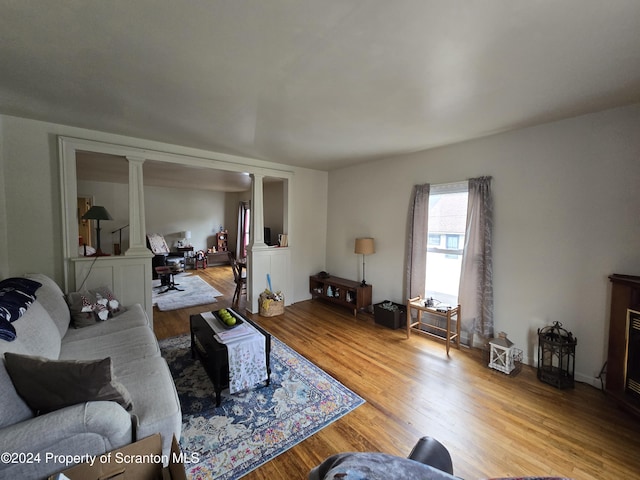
x=589, y=380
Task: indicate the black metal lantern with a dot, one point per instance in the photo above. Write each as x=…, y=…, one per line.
x=556, y=356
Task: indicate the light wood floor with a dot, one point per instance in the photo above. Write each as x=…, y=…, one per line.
x=492, y=424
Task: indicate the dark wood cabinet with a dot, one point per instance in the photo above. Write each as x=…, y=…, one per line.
x=621, y=361
x=341, y=291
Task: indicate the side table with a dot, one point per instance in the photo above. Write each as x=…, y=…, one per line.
x=449, y=314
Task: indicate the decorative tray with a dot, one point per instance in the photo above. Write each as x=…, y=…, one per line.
x=221, y=322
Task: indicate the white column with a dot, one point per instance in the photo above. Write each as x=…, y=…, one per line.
x=256, y=271
x=257, y=211
x=137, y=230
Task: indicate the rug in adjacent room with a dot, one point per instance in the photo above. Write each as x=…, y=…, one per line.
x=251, y=428
x=195, y=291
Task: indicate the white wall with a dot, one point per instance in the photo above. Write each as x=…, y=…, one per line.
x=172, y=211
x=115, y=198
x=566, y=216
x=4, y=254
x=32, y=200
x=168, y=211
x=308, y=233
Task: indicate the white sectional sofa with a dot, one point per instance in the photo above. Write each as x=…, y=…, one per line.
x=91, y=427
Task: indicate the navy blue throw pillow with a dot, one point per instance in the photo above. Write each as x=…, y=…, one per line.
x=16, y=294
x=7, y=331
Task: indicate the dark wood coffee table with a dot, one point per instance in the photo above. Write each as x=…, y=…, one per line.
x=214, y=355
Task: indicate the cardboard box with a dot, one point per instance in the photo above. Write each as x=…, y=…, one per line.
x=390, y=318
x=142, y=460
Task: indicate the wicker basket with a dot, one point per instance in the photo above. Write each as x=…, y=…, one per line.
x=270, y=307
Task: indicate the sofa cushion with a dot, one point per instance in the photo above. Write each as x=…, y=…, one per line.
x=39, y=332
x=52, y=299
x=123, y=346
x=134, y=316
x=156, y=403
x=48, y=385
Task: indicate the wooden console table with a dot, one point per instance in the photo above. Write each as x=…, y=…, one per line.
x=450, y=336
x=341, y=291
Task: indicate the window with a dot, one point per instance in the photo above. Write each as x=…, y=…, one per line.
x=434, y=240
x=452, y=244
x=447, y=225
x=452, y=241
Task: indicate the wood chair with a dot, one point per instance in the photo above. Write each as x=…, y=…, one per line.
x=241, y=281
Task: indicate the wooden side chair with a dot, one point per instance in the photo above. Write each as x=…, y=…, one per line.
x=241, y=282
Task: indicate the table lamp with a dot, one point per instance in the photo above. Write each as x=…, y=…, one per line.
x=364, y=246
x=97, y=213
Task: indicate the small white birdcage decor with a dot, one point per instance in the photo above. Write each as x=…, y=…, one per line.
x=502, y=354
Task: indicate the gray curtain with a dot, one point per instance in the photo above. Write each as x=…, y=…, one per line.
x=417, y=241
x=476, y=277
x=242, y=240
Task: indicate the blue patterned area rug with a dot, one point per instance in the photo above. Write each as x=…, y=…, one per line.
x=251, y=428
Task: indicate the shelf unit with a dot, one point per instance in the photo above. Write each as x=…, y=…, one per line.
x=221, y=241
x=341, y=291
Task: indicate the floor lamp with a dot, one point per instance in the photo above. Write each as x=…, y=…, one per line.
x=364, y=246
x=97, y=213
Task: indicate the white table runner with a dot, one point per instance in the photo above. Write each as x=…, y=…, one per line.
x=246, y=348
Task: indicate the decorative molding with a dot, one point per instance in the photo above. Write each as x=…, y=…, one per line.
x=136, y=156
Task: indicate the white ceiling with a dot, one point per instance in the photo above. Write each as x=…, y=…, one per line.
x=316, y=83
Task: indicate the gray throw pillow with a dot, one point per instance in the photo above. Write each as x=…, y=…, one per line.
x=82, y=306
x=47, y=385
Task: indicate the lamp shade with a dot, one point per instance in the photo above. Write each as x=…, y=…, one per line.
x=364, y=246
x=97, y=213
x=187, y=234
